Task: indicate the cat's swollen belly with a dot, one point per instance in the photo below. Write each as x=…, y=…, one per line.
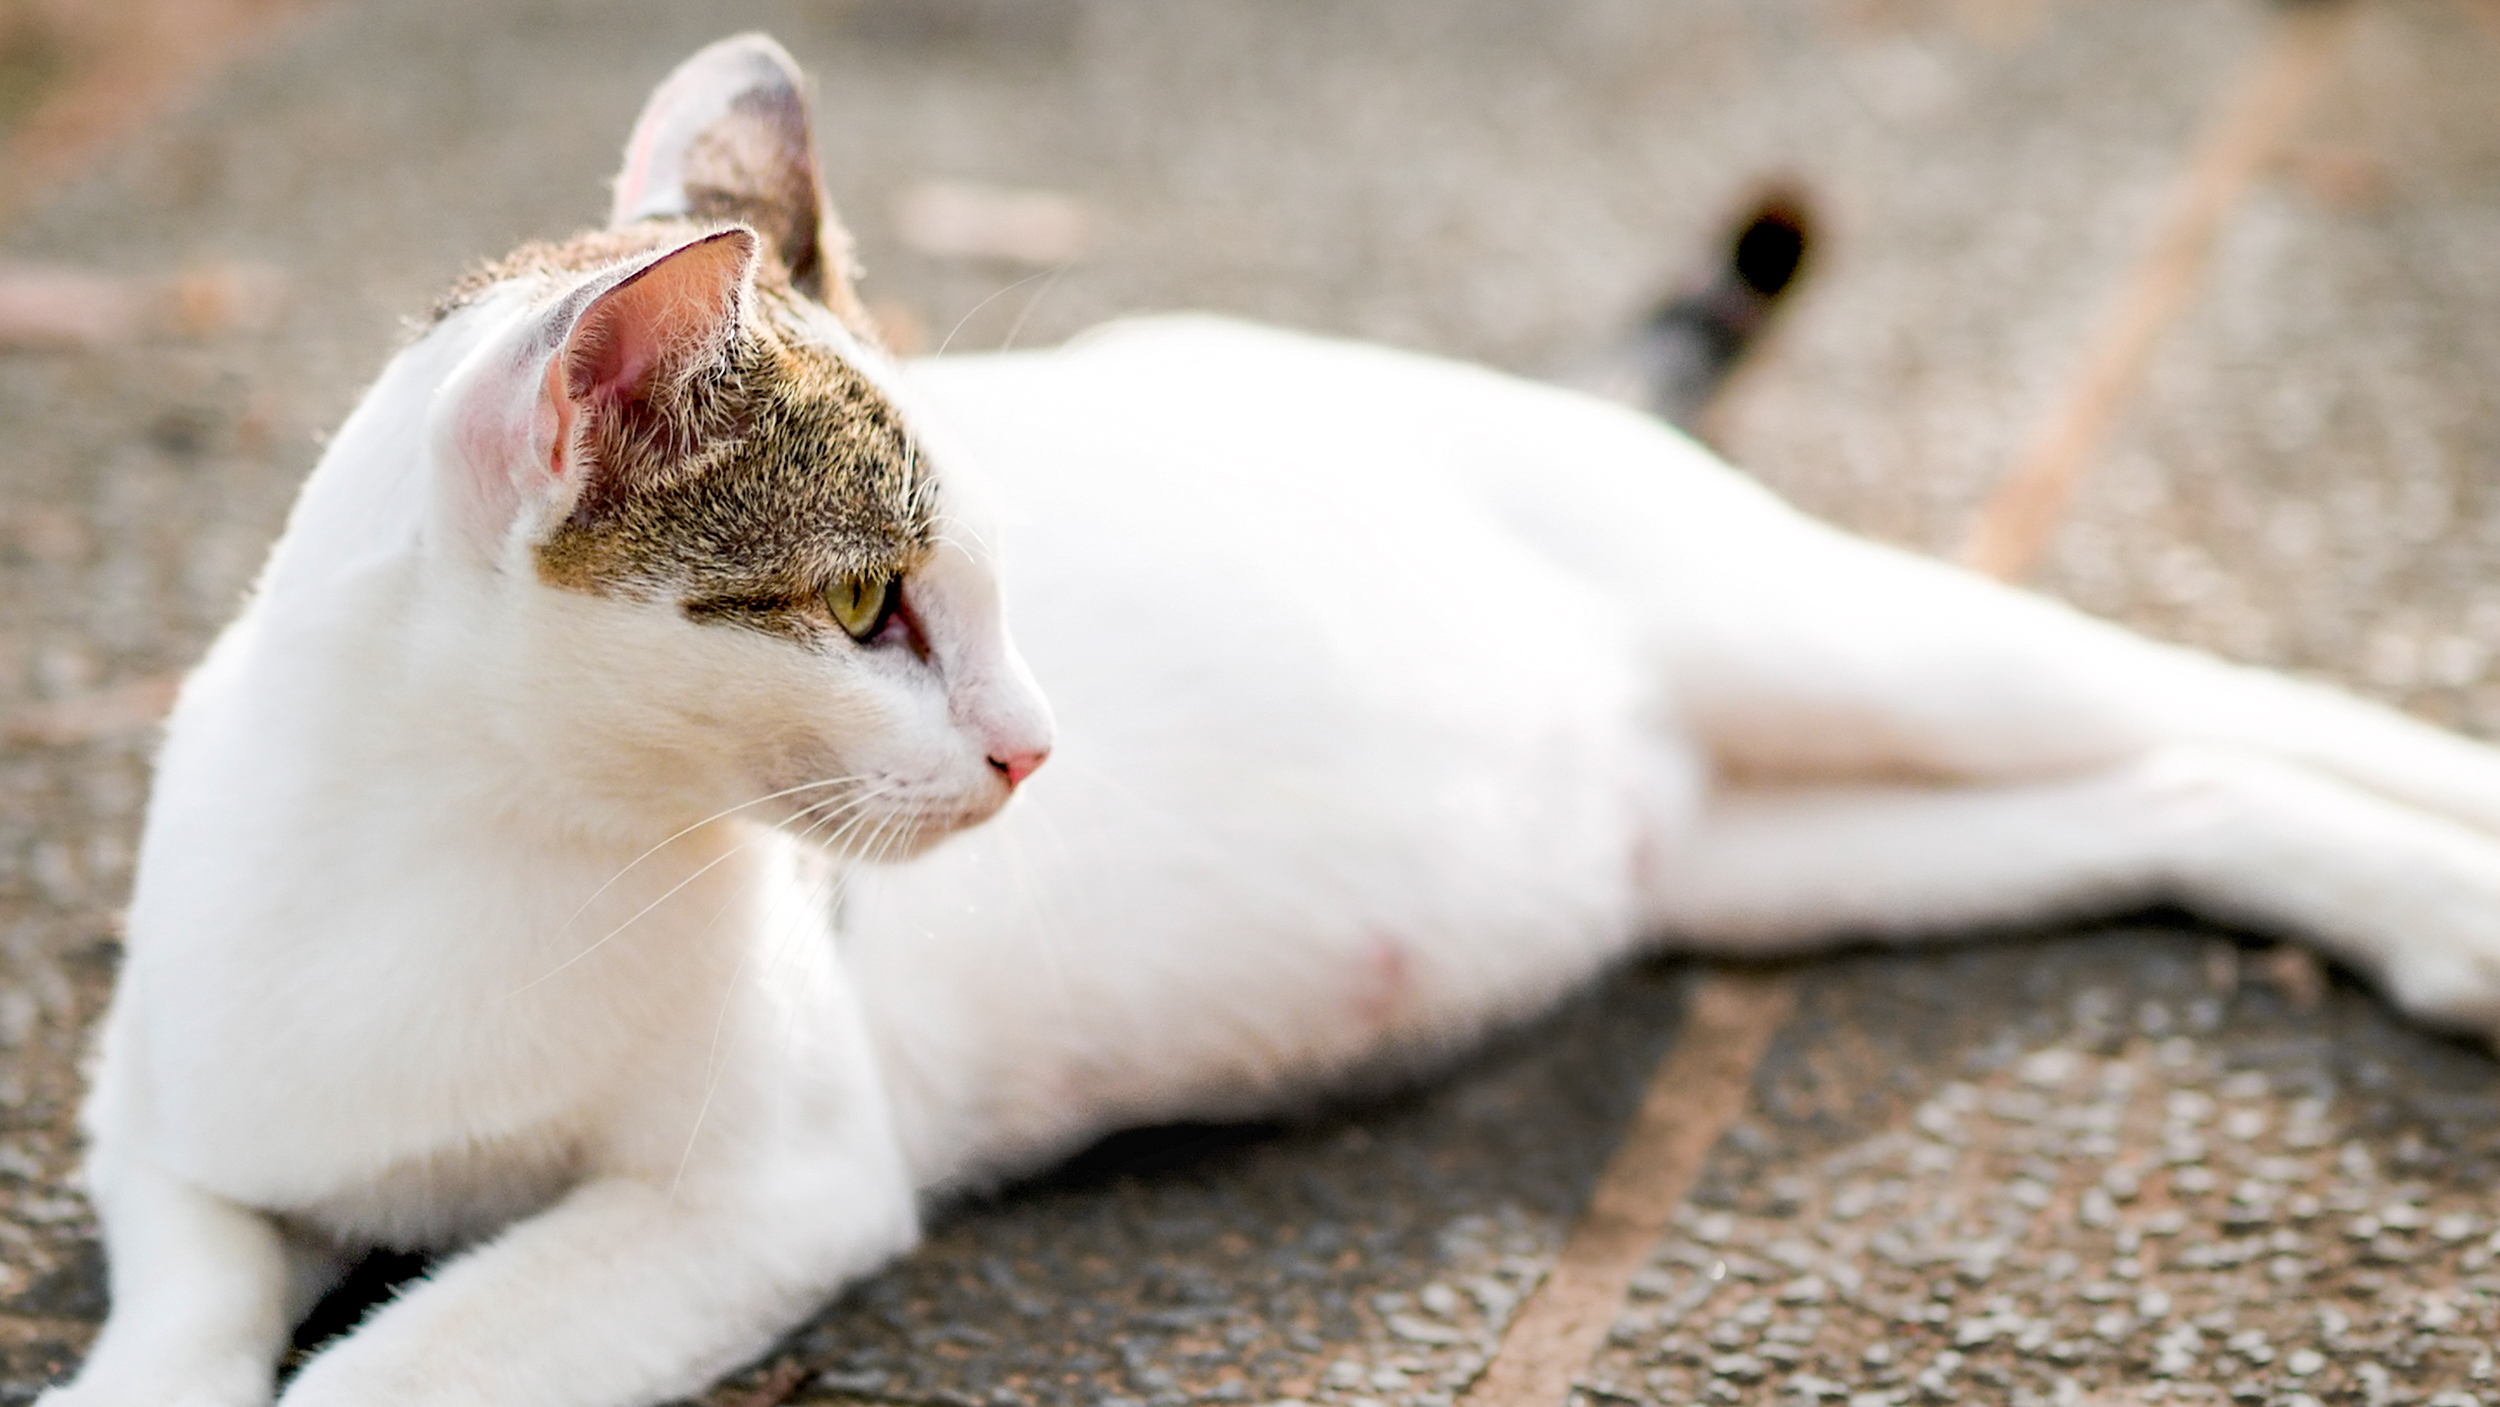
x=487, y=898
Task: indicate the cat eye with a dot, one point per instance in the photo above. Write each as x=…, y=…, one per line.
x=862, y=605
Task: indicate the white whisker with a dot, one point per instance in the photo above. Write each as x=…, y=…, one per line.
x=994, y=297
x=671, y=892
x=719, y=815
x=1030, y=304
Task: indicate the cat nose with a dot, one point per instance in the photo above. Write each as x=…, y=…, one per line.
x=1016, y=766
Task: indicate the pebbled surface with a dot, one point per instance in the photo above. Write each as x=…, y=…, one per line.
x=2303, y=481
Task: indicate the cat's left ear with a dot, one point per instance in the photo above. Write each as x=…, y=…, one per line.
x=727, y=137
x=586, y=405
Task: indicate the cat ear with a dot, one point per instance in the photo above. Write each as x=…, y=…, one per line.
x=586, y=401
x=727, y=137
x=629, y=340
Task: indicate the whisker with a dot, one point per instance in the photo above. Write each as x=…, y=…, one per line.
x=994, y=297
x=1030, y=304
x=713, y=1066
x=672, y=891
x=719, y=815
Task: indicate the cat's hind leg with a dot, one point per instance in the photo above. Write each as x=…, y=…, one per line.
x=2409, y=898
x=1826, y=657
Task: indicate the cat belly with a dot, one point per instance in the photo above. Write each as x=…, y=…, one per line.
x=1347, y=772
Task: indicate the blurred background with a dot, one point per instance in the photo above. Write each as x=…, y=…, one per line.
x=2235, y=266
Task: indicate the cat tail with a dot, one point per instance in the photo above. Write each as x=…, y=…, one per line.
x=1674, y=362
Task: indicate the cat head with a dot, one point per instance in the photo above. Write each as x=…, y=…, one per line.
x=682, y=497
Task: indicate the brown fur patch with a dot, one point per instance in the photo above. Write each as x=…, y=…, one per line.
x=746, y=486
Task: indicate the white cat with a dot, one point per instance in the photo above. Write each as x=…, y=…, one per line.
x=483, y=901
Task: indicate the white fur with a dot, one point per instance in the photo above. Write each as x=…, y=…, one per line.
x=1396, y=697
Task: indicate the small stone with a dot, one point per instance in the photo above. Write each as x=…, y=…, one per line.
x=1440, y=1299
x=2049, y=1068
x=1808, y=1289
x=1345, y=1372
x=2114, y=1325
x=2387, y=1250
x=2402, y=1216
x=2301, y=1362
x=1737, y=1368
x=2195, y=1179
x=1973, y=1332
x=1417, y=1329
x=2361, y=1228
x=2152, y=1304
x=1876, y=1355
x=2454, y=1227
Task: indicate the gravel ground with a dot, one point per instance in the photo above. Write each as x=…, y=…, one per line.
x=2105, y=1167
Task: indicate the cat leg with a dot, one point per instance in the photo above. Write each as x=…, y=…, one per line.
x=626, y=1292
x=202, y=1291
x=1821, y=656
x=2409, y=898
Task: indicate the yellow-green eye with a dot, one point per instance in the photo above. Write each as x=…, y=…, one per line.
x=862, y=605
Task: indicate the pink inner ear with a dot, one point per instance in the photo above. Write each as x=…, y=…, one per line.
x=663, y=319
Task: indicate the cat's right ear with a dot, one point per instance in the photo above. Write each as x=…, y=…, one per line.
x=727, y=137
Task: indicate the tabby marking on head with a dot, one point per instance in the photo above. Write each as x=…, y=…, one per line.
x=743, y=486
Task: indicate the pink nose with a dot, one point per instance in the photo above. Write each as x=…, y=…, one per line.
x=1016, y=766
